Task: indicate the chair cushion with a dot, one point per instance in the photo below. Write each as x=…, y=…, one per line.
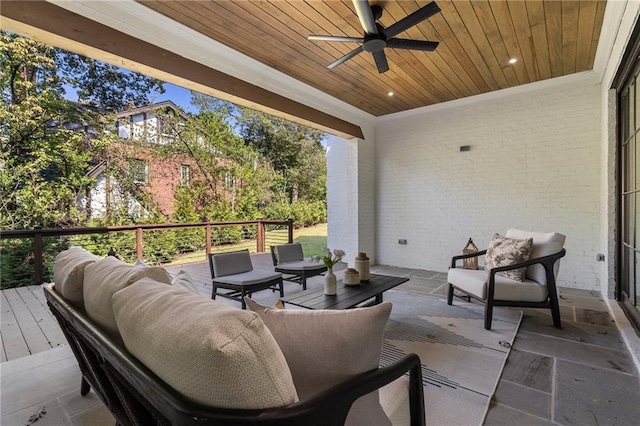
x=289, y=253
x=105, y=277
x=68, y=274
x=503, y=251
x=544, y=244
x=210, y=352
x=184, y=280
x=324, y=347
x=301, y=265
x=476, y=282
x=232, y=263
x=256, y=276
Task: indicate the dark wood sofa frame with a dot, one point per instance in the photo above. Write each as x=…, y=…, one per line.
x=551, y=301
x=136, y=396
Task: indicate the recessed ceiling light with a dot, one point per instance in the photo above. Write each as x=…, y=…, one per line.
x=513, y=61
x=390, y=94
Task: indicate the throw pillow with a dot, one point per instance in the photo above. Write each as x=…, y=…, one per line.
x=325, y=347
x=184, y=280
x=68, y=274
x=544, y=244
x=105, y=277
x=212, y=353
x=503, y=251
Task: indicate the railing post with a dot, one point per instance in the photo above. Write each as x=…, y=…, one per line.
x=260, y=242
x=139, y=244
x=290, y=230
x=37, y=256
x=207, y=233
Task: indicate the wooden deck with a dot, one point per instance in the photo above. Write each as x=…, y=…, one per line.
x=28, y=327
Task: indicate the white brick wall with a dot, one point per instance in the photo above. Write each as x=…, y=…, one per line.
x=351, y=196
x=534, y=164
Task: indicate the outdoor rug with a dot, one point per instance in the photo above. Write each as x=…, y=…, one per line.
x=461, y=361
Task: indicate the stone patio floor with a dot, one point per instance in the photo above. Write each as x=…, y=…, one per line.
x=582, y=374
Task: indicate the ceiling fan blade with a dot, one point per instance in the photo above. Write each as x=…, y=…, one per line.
x=411, y=20
x=381, y=61
x=346, y=57
x=366, y=17
x=403, y=43
x=335, y=38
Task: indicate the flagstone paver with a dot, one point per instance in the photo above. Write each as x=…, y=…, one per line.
x=550, y=376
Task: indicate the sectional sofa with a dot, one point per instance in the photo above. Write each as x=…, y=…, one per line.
x=157, y=353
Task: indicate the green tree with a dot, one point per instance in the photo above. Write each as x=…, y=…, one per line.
x=294, y=150
x=49, y=143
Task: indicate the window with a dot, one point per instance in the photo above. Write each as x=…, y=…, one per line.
x=627, y=85
x=185, y=175
x=229, y=180
x=139, y=170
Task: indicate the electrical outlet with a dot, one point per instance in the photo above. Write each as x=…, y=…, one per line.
x=402, y=241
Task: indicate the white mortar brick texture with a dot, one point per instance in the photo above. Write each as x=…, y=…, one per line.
x=534, y=164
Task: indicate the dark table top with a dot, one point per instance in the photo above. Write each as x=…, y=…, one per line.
x=347, y=296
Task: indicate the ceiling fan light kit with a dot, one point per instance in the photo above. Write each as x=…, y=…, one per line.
x=376, y=37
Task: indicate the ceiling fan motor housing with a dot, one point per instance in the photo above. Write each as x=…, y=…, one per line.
x=375, y=44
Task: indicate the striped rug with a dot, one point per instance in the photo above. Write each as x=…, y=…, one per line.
x=461, y=361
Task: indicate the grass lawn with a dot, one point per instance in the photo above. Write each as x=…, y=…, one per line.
x=313, y=239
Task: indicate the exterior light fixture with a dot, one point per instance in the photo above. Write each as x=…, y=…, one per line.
x=513, y=61
x=390, y=94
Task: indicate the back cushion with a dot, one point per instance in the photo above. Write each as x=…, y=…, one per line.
x=339, y=344
x=105, y=277
x=68, y=274
x=544, y=244
x=184, y=280
x=289, y=253
x=214, y=354
x=236, y=262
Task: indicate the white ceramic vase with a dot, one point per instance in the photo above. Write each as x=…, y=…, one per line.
x=330, y=287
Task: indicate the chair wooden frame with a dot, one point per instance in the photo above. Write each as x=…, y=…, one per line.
x=239, y=291
x=551, y=301
x=296, y=275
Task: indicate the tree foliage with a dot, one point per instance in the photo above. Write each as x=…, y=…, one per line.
x=294, y=150
x=48, y=144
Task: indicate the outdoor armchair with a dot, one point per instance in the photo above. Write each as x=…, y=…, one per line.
x=536, y=290
x=289, y=260
x=234, y=271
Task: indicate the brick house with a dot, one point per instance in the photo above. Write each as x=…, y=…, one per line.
x=155, y=176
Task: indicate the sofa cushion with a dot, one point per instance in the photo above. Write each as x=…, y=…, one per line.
x=503, y=251
x=212, y=353
x=68, y=274
x=476, y=283
x=544, y=244
x=184, y=280
x=325, y=347
x=105, y=277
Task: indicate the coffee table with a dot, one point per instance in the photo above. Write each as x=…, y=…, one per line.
x=347, y=296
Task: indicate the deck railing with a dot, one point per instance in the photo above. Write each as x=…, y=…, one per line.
x=255, y=235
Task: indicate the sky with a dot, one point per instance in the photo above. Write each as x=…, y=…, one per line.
x=178, y=95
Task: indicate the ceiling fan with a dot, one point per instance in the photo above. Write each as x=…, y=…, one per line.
x=376, y=37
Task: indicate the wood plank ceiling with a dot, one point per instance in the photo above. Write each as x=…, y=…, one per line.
x=549, y=38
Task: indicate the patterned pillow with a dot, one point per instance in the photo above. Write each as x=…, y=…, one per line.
x=503, y=251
